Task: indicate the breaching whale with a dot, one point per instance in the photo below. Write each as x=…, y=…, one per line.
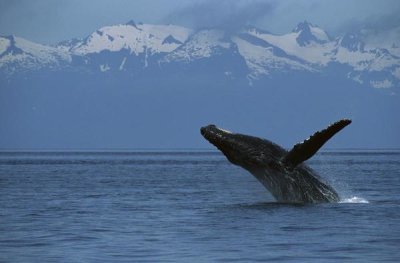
x=282, y=172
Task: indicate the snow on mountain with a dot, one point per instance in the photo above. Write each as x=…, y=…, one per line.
x=69, y=45
x=263, y=58
x=395, y=50
x=370, y=60
x=388, y=39
x=202, y=44
x=17, y=53
x=135, y=38
x=351, y=41
x=308, y=33
x=311, y=48
x=5, y=43
x=132, y=47
x=365, y=59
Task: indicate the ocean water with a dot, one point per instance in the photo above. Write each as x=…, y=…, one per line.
x=188, y=206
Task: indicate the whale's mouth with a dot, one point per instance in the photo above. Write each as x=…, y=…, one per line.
x=214, y=135
x=222, y=139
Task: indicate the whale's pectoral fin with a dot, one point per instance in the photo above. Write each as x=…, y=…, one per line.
x=304, y=150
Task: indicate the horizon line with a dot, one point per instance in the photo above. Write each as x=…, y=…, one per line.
x=193, y=149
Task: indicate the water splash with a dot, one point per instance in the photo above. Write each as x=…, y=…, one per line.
x=354, y=200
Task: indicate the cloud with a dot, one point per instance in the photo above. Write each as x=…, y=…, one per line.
x=224, y=14
x=379, y=30
x=373, y=24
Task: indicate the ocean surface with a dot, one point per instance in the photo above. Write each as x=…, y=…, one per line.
x=188, y=206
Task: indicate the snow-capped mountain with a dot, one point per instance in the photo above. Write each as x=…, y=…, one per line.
x=203, y=44
x=251, y=54
x=18, y=54
x=306, y=34
x=137, y=39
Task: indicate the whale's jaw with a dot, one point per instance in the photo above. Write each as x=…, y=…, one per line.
x=239, y=149
x=221, y=139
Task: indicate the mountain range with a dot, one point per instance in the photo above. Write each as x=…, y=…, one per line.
x=138, y=85
x=256, y=54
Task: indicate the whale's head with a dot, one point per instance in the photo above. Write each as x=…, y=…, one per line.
x=246, y=151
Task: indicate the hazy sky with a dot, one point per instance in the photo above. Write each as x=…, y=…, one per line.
x=49, y=21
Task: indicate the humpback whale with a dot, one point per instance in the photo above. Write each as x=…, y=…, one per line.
x=282, y=172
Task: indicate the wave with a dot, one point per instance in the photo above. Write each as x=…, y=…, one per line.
x=354, y=200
